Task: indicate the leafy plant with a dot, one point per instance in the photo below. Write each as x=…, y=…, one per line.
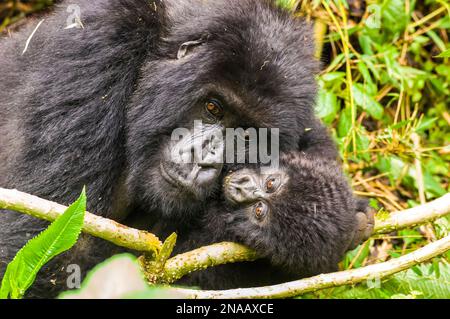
x=60, y=236
x=118, y=277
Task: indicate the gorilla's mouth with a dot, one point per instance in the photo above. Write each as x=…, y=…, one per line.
x=168, y=177
x=197, y=178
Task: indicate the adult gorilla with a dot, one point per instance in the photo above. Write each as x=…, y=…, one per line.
x=96, y=106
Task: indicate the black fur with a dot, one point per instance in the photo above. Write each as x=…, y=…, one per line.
x=95, y=106
x=311, y=225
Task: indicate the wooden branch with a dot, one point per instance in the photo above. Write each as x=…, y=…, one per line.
x=94, y=225
x=204, y=257
x=183, y=264
x=217, y=254
x=414, y=216
x=348, y=277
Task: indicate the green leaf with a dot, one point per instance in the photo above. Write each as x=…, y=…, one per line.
x=366, y=44
x=287, y=4
x=327, y=106
x=362, y=144
x=367, y=102
x=445, y=54
x=357, y=255
x=60, y=236
x=333, y=76
x=394, y=16
x=395, y=167
x=370, y=86
x=345, y=122
x=425, y=124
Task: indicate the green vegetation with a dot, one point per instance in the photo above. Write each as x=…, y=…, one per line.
x=11, y=11
x=421, y=282
x=385, y=93
x=60, y=236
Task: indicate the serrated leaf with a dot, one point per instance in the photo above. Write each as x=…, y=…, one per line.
x=60, y=236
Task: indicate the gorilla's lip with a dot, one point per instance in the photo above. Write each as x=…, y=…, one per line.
x=176, y=181
x=168, y=177
x=188, y=183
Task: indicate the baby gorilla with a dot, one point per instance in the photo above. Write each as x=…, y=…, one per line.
x=301, y=218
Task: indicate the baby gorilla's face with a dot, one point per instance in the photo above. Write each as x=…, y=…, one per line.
x=253, y=190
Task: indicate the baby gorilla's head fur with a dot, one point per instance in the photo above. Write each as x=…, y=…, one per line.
x=301, y=216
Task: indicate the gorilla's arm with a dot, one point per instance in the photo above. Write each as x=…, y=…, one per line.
x=62, y=126
x=70, y=97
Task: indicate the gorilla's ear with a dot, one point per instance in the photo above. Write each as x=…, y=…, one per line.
x=186, y=47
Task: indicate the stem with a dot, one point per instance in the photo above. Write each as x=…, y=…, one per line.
x=414, y=216
x=217, y=254
x=348, y=277
x=204, y=257
x=94, y=225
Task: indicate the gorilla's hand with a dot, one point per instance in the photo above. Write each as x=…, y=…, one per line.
x=365, y=220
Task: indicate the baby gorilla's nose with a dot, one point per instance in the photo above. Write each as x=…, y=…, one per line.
x=240, y=188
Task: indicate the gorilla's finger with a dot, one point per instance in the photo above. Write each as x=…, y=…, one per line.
x=360, y=230
x=370, y=214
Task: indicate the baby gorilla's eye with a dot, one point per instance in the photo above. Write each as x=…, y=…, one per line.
x=271, y=184
x=260, y=210
x=214, y=108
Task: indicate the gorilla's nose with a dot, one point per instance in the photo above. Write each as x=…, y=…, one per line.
x=241, y=188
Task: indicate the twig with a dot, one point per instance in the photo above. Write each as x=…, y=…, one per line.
x=414, y=216
x=94, y=225
x=348, y=277
x=217, y=254
x=183, y=264
x=204, y=257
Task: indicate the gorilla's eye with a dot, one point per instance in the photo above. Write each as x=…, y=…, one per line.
x=260, y=210
x=214, y=108
x=271, y=184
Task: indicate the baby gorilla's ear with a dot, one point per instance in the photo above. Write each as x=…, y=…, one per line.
x=365, y=220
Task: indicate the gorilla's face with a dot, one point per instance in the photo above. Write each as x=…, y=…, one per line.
x=178, y=146
x=228, y=70
x=255, y=192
